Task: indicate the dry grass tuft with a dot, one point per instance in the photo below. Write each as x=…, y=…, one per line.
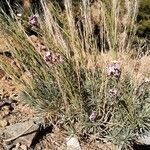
x=88, y=84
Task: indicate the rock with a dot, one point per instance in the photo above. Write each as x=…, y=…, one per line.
x=23, y=147
x=3, y=123
x=144, y=139
x=23, y=133
x=73, y=143
x=38, y=147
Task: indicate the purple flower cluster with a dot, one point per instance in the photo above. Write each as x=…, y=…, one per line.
x=33, y=20
x=114, y=70
x=52, y=58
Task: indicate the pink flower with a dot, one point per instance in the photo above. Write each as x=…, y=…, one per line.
x=47, y=56
x=113, y=92
x=93, y=116
x=114, y=69
x=52, y=58
x=33, y=20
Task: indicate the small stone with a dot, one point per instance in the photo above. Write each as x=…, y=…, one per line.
x=23, y=147
x=73, y=143
x=19, y=15
x=143, y=139
x=34, y=39
x=17, y=145
x=5, y=110
x=3, y=123
x=38, y=147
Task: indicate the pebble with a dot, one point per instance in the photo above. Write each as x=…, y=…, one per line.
x=73, y=143
x=3, y=123
x=38, y=147
x=19, y=15
x=17, y=145
x=34, y=39
x=6, y=110
x=23, y=147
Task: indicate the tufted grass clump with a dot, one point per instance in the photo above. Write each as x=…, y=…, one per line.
x=71, y=80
